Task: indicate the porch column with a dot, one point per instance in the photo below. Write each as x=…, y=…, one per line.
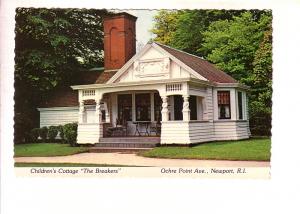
x=81, y=112
x=165, y=110
x=98, y=113
x=186, y=108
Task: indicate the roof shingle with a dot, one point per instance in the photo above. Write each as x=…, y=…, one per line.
x=65, y=96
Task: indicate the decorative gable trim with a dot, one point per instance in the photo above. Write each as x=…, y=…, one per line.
x=128, y=64
x=145, y=68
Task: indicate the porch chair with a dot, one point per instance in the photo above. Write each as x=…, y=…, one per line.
x=156, y=128
x=122, y=124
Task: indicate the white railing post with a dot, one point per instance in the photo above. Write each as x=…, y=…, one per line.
x=165, y=110
x=186, y=108
x=98, y=113
x=81, y=112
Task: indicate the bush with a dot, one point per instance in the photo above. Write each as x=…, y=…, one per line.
x=60, y=128
x=260, y=119
x=52, y=133
x=70, y=133
x=34, y=134
x=43, y=132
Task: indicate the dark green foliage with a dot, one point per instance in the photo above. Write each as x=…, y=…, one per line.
x=52, y=133
x=70, y=133
x=51, y=44
x=43, y=133
x=34, y=134
x=261, y=94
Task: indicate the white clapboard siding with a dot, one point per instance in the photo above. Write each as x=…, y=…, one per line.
x=209, y=104
x=58, y=116
x=89, y=133
x=174, y=132
x=181, y=132
x=231, y=130
x=201, y=131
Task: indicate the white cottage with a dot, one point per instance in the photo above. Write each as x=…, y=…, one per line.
x=160, y=93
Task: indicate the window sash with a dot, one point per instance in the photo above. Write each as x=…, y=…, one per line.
x=224, y=110
x=143, y=107
x=125, y=107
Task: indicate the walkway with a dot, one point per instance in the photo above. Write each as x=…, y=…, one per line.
x=133, y=159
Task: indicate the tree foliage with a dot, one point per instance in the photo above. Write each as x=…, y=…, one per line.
x=261, y=105
x=236, y=41
x=165, y=25
x=52, y=45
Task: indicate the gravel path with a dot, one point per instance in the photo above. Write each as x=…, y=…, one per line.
x=133, y=159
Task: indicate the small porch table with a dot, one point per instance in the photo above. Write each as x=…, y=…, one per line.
x=139, y=125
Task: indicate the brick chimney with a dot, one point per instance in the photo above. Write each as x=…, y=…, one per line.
x=119, y=40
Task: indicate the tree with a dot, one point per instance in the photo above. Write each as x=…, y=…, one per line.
x=165, y=25
x=52, y=45
x=231, y=45
x=261, y=107
x=233, y=41
x=183, y=29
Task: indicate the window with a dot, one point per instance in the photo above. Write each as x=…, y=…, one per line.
x=157, y=107
x=143, y=107
x=224, y=104
x=193, y=107
x=240, y=105
x=125, y=107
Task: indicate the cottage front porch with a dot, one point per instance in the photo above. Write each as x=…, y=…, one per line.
x=158, y=113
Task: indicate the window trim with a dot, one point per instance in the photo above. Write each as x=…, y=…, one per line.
x=230, y=115
x=240, y=113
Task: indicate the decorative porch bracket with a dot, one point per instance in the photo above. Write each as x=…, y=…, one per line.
x=165, y=110
x=98, y=113
x=81, y=111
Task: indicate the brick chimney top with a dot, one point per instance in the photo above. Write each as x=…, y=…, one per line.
x=119, y=40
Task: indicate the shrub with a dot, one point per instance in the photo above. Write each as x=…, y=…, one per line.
x=60, y=128
x=43, y=133
x=70, y=133
x=34, y=134
x=52, y=133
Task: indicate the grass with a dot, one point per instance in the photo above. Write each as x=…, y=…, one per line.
x=23, y=164
x=252, y=150
x=46, y=150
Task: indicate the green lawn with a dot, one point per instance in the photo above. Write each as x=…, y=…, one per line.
x=46, y=150
x=66, y=165
x=252, y=149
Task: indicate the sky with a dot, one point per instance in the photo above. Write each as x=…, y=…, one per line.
x=143, y=24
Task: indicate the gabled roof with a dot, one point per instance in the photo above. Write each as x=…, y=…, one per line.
x=105, y=76
x=201, y=66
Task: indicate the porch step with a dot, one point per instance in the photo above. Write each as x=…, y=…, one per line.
x=116, y=149
x=125, y=145
x=154, y=140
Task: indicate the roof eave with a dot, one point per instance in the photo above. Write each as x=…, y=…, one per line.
x=232, y=85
